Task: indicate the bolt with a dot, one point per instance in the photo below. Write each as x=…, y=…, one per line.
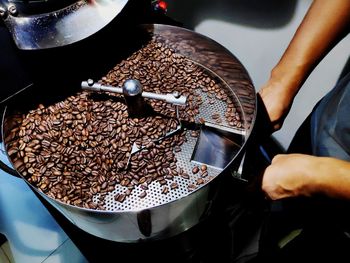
x=90, y=82
x=12, y=9
x=132, y=87
x=3, y=12
x=176, y=94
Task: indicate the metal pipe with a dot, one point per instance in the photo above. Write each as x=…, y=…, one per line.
x=173, y=98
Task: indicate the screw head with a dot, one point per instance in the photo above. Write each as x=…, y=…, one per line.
x=90, y=82
x=12, y=9
x=176, y=94
x=3, y=12
x=132, y=87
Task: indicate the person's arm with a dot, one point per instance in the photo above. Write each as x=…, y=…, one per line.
x=293, y=175
x=324, y=25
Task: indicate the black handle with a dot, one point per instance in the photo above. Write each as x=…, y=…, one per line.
x=258, y=151
x=266, y=147
x=3, y=166
x=8, y=170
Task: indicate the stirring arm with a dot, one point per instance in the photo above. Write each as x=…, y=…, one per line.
x=173, y=98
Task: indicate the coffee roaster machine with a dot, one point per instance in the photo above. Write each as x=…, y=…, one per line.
x=43, y=54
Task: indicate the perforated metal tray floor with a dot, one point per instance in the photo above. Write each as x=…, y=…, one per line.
x=209, y=107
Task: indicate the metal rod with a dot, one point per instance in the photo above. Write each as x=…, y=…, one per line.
x=173, y=98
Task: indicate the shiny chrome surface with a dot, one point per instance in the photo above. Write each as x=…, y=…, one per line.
x=141, y=225
x=216, y=147
x=132, y=91
x=151, y=218
x=133, y=87
x=61, y=27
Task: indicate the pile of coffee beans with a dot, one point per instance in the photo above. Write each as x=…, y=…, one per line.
x=80, y=147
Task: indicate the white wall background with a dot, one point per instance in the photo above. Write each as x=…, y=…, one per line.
x=257, y=32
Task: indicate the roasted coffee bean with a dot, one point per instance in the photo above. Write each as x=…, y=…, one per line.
x=195, y=170
x=143, y=194
x=121, y=198
x=144, y=187
x=199, y=181
x=204, y=174
x=185, y=176
x=174, y=185
x=79, y=147
x=162, y=182
x=191, y=187
x=165, y=190
x=177, y=149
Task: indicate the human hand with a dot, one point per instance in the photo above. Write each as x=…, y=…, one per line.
x=294, y=175
x=277, y=102
x=290, y=175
